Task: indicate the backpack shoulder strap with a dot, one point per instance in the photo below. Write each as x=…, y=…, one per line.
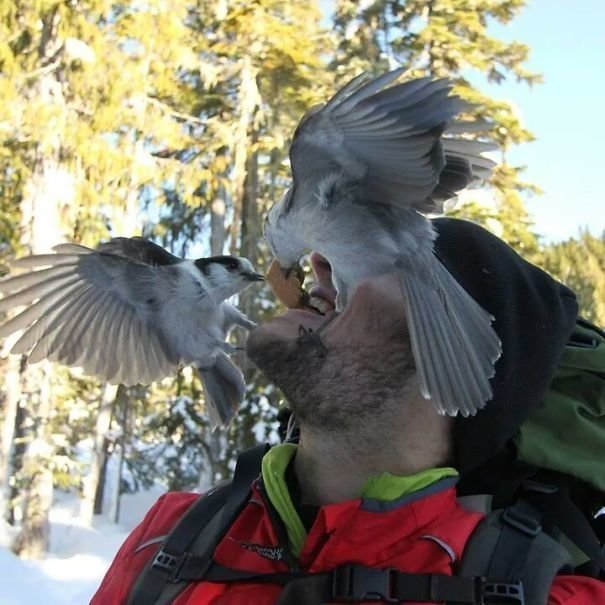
x=154, y=585
x=511, y=544
x=193, y=539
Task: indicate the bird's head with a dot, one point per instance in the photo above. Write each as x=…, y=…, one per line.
x=227, y=275
x=281, y=234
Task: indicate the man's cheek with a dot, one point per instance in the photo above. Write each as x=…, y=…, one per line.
x=384, y=292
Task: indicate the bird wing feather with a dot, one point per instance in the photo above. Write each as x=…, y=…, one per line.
x=87, y=307
x=453, y=342
x=139, y=249
x=224, y=388
x=388, y=140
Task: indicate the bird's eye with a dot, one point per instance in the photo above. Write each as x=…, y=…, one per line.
x=232, y=265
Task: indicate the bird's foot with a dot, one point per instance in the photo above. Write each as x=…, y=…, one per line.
x=229, y=348
x=248, y=324
x=313, y=337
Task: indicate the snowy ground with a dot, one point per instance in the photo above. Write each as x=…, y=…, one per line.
x=78, y=557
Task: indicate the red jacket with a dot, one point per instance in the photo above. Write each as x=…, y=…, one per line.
x=424, y=532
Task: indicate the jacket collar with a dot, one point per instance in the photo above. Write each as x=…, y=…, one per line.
x=382, y=493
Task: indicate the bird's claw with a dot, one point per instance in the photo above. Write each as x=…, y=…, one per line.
x=313, y=338
x=229, y=348
x=249, y=325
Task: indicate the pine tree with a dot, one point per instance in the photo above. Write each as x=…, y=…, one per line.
x=90, y=90
x=580, y=264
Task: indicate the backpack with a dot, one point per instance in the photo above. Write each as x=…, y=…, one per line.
x=560, y=447
x=542, y=519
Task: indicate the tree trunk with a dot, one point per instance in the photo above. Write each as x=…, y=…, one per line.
x=217, y=223
x=125, y=219
x=122, y=404
x=100, y=491
x=17, y=457
x=248, y=104
x=32, y=541
x=91, y=498
x=12, y=398
x=251, y=229
x=51, y=186
x=215, y=446
x=114, y=510
x=245, y=226
x=251, y=233
x=47, y=197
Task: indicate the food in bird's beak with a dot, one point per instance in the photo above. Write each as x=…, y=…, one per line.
x=288, y=286
x=289, y=290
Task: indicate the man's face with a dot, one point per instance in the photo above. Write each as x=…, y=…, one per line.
x=361, y=358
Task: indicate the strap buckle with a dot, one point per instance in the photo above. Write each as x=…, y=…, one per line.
x=356, y=583
x=171, y=564
x=500, y=593
x=521, y=520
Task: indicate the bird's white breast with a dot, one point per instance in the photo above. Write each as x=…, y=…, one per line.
x=360, y=244
x=192, y=319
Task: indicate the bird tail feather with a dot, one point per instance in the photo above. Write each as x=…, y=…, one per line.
x=224, y=387
x=453, y=342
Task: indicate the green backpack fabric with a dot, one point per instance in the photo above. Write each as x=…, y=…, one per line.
x=567, y=432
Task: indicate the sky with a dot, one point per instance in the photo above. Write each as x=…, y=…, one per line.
x=564, y=113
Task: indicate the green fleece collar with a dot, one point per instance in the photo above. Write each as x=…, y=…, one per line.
x=275, y=463
x=384, y=487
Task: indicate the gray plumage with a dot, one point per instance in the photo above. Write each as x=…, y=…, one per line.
x=130, y=312
x=365, y=166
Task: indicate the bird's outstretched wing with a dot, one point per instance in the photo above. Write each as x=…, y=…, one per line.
x=139, y=249
x=93, y=309
x=398, y=143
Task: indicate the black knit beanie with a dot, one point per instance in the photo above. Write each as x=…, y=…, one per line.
x=535, y=316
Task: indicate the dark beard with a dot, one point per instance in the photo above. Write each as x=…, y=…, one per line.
x=334, y=388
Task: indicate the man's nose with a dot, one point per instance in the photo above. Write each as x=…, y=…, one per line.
x=321, y=267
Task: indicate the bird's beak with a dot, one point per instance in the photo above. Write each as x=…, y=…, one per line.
x=253, y=276
x=295, y=270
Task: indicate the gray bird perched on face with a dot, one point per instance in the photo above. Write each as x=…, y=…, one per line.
x=130, y=312
x=366, y=167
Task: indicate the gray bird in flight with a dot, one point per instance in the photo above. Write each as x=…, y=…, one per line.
x=366, y=168
x=130, y=312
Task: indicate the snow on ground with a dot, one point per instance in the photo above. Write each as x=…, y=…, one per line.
x=78, y=557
